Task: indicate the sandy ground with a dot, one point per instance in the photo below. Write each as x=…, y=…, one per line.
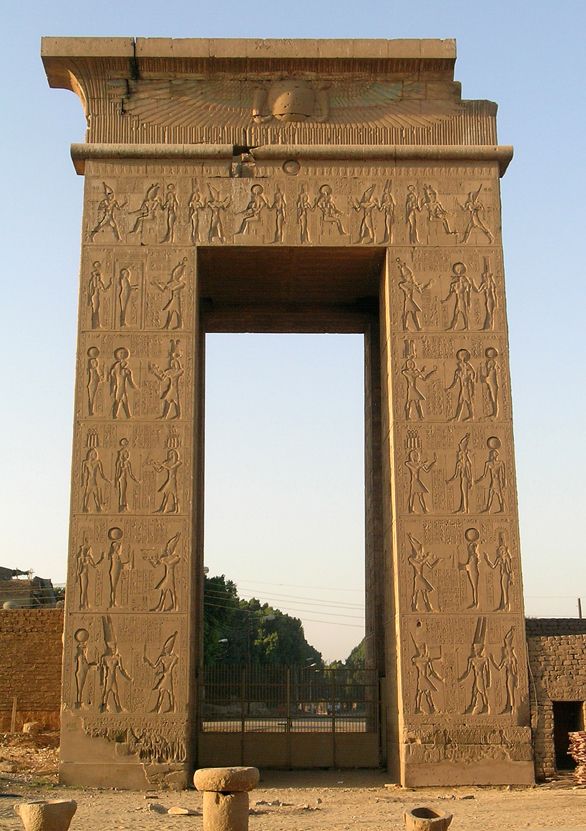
x=287, y=801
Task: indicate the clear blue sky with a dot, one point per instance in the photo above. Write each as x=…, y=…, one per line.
x=530, y=58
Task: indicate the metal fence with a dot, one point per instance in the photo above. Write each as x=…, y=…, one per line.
x=279, y=699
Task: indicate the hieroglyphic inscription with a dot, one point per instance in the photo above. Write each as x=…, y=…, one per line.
x=503, y=564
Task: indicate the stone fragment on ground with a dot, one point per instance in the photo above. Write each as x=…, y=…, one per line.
x=177, y=811
x=32, y=727
x=156, y=808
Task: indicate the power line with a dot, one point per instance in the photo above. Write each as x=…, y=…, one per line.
x=296, y=585
x=305, y=620
x=254, y=612
x=287, y=597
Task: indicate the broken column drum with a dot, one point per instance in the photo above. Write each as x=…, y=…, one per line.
x=360, y=195
x=46, y=814
x=225, y=796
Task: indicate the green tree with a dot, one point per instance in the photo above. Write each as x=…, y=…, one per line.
x=245, y=632
x=220, y=609
x=357, y=658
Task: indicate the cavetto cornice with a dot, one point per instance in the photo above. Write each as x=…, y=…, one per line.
x=268, y=92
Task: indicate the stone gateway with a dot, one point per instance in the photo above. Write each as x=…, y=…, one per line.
x=291, y=186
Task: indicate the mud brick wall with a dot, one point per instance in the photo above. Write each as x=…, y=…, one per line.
x=557, y=653
x=30, y=659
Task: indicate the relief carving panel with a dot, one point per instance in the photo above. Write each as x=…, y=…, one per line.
x=130, y=564
x=129, y=377
x=315, y=206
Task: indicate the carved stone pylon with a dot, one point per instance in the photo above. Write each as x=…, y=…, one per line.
x=312, y=186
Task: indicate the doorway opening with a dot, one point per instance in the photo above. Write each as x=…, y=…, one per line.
x=568, y=717
x=292, y=507
x=284, y=495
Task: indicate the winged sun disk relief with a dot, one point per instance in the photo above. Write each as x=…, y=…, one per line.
x=234, y=103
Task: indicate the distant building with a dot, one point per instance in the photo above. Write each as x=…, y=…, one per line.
x=32, y=592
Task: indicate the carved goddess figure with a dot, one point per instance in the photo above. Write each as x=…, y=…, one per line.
x=417, y=489
x=121, y=381
x=387, y=207
x=170, y=206
x=412, y=208
x=510, y=664
x=117, y=564
x=472, y=563
x=463, y=473
x=489, y=376
x=410, y=287
x=85, y=561
x=487, y=287
x=419, y=560
x=125, y=289
x=82, y=665
x=94, y=377
x=304, y=205
x=464, y=380
x=196, y=205
x=495, y=472
x=92, y=475
x=122, y=473
x=172, y=304
x=279, y=206
x=96, y=286
x=164, y=667
x=366, y=205
x=414, y=396
x=460, y=289
x=504, y=563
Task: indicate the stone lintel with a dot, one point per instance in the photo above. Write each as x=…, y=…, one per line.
x=62, y=55
x=308, y=48
x=502, y=154
x=302, y=49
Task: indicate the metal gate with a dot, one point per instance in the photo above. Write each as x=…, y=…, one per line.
x=289, y=717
